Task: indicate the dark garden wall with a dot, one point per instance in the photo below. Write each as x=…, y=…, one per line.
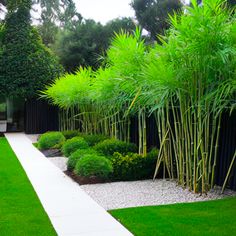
x=152, y=132
x=40, y=117
x=227, y=147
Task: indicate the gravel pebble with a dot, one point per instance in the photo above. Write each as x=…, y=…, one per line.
x=145, y=193
x=60, y=162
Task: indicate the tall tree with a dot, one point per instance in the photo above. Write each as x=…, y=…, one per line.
x=83, y=45
x=153, y=14
x=54, y=13
x=80, y=46
x=116, y=25
x=231, y=3
x=26, y=65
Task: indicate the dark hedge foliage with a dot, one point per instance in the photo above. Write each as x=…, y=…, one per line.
x=26, y=65
x=132, y=166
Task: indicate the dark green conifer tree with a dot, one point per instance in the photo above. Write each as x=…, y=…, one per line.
x=26, y=65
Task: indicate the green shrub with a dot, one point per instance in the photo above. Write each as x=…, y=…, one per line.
x=94, y=165
x=93, y=139
x=109, y=146
x=69, y=134
x=153, y=153
x=51, y=140
x=71, y=145
x=75, y=156
x=132, y=166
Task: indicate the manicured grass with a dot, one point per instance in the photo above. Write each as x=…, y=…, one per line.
x=21, y=212
x=216, y=218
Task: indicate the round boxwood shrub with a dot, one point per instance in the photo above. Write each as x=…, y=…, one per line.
x=94, y=165
x=93, y=139
x=51, y=140
x=73, y=144
x=109, y=146
x=69, y=134
x=75, y=156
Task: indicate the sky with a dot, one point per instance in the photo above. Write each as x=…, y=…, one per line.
x=104, y=10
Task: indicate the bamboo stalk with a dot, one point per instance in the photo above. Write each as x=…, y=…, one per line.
x=228, y=173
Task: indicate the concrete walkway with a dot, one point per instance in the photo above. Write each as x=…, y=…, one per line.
x=71, y=211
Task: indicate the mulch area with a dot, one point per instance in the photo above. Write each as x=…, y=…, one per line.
x=84, y=180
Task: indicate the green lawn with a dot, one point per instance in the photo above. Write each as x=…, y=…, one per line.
x=21, y=213
x=215, y=218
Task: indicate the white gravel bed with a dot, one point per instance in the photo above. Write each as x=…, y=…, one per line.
x=60, y=162
x=145, y=193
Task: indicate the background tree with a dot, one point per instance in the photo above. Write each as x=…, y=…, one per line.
x=26, y=65
x=82, y=45
x=231, y=3
x=55, y=15
x=153, y=14
x=125, y=23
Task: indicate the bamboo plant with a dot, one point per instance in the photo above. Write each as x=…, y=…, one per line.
x=186, y=82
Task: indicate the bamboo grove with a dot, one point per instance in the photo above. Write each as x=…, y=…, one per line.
x=186, y=82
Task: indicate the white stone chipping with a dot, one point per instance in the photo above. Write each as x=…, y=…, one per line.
x=145, y=193
x=60, y=162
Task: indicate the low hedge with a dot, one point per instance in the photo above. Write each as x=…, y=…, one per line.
x=133, y=166
x=93, y=165
x=110, y=146
x=73, y=144
x=50, y=140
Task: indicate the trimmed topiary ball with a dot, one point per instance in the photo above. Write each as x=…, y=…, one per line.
x=109, y=146
x=73, y=144
x=93, y=139
x=94, y=165
x=51, y=140
x=69, y=134
x=75, y=156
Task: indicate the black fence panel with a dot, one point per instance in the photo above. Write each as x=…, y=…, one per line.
x=152, y=132
x=40, y=117
x=227, y=147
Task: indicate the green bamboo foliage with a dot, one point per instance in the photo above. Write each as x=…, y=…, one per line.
x=194, y=73
x=101, y=100
x=186, y=83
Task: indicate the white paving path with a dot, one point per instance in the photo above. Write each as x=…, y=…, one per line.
x=71, y=211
